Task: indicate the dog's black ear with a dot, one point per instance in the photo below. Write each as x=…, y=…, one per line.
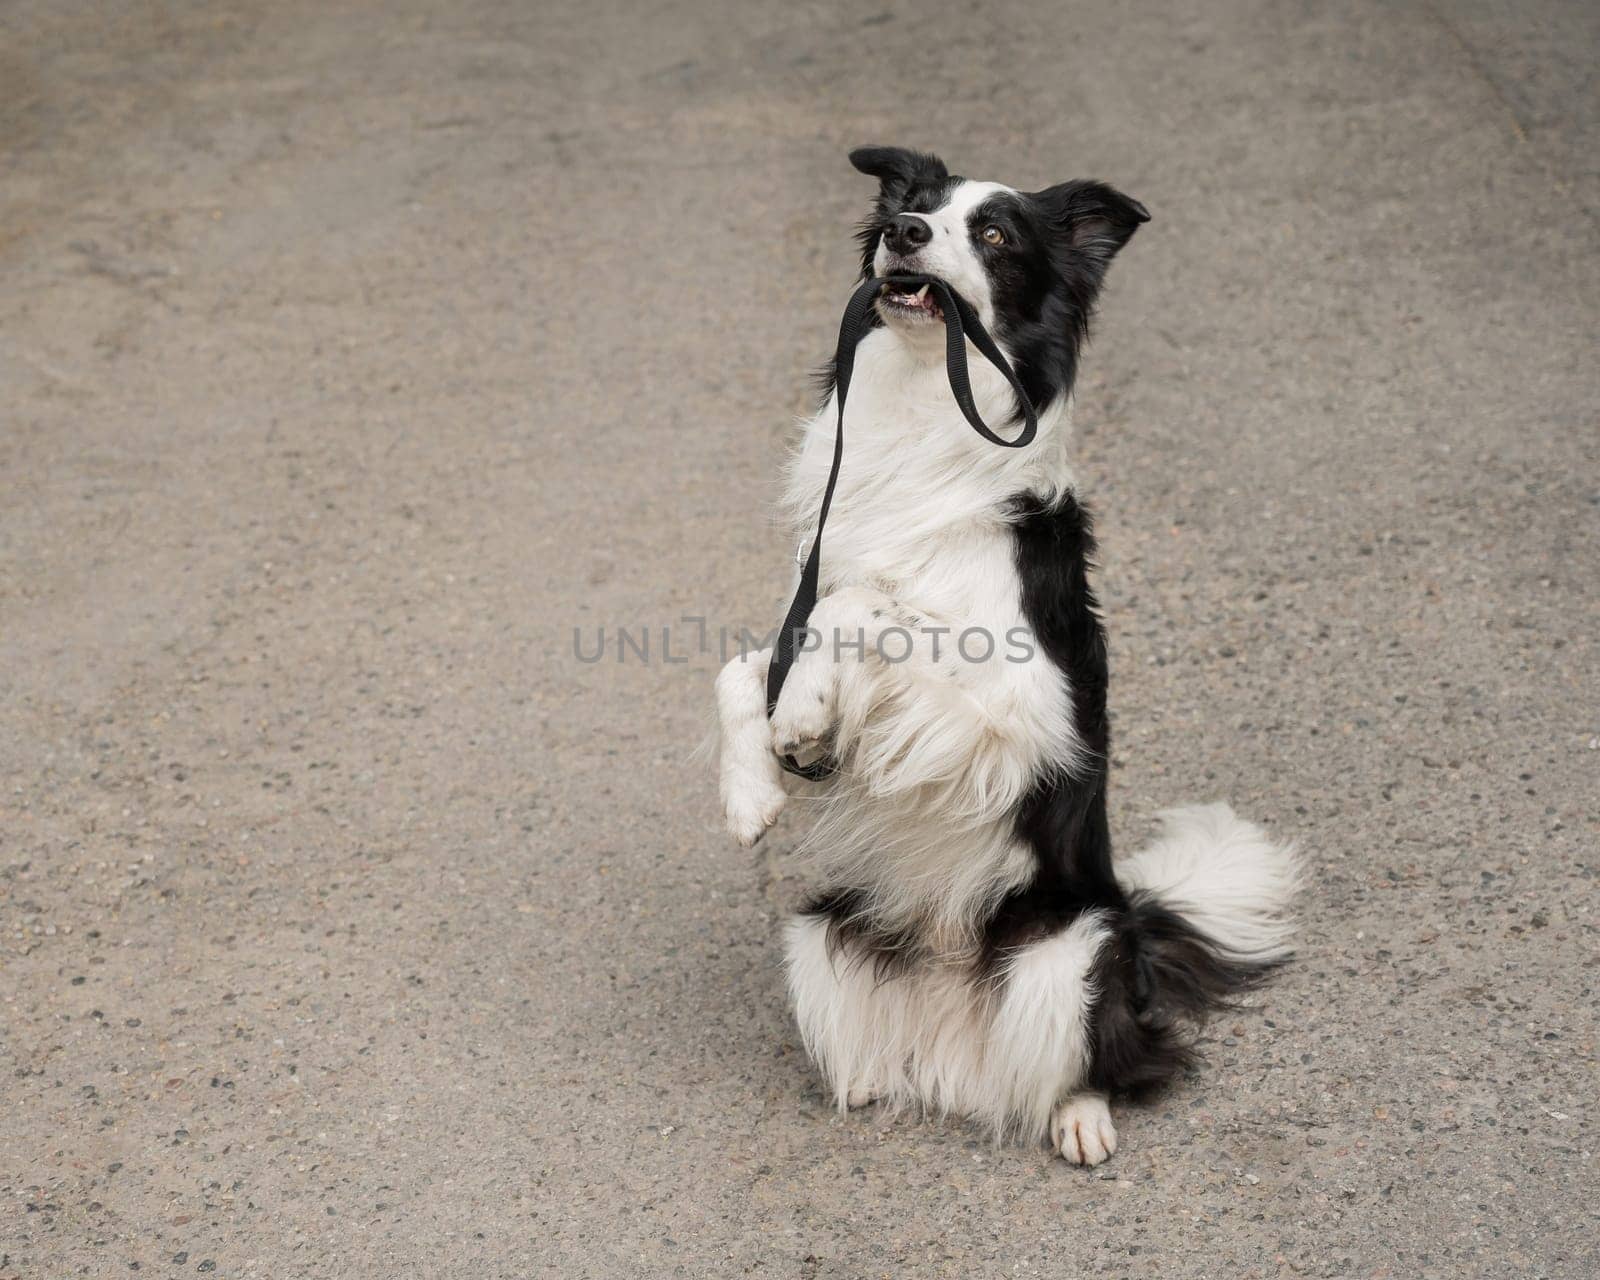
x=898, y=166
x=1090, y=218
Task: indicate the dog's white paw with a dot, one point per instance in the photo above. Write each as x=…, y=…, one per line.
x=805, y=711
x=860, y=1096
x=1081, y=1130
x=750, y=805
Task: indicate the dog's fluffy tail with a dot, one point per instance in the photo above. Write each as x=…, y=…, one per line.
x=1223, y=877
x=1208, y=915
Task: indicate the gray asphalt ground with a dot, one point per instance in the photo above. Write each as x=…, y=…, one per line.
x=353, y=356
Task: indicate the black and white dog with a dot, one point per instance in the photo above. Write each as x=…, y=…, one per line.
x=972, y=947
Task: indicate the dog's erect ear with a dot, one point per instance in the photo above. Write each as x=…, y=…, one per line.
x=897, y=166
x=1091, y=218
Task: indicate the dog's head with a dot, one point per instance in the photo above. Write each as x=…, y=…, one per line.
x=1030, y=262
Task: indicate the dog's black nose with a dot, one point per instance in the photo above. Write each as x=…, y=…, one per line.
x=906, y=233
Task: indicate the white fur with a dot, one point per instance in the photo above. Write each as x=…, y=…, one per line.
x=1039, y=1041
x=1222, y=875
x=1003, y=1053
x=751, y=777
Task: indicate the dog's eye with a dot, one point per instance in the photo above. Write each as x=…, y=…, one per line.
x=993, y=235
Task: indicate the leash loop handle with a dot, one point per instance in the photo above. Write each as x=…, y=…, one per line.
x=960, y=323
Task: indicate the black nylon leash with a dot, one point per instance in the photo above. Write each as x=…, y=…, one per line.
x=960, y=323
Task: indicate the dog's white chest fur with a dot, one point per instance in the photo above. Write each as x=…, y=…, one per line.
x=952, y=709
x=919, y=493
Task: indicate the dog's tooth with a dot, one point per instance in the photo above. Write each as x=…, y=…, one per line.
x=922, y=293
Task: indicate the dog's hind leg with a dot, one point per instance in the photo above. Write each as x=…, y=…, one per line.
x=1040, y=1043
x=853, y=1025
x=750, y=774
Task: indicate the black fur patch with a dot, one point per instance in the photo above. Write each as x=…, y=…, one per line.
x=1155, y=980
x=852, y=932
x=1063, y=819
x=1157, y=976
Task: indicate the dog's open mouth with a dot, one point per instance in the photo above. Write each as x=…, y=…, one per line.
x=915, y=303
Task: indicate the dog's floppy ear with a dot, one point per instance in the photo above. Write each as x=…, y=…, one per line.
x=1090, y=218
x=898, y=166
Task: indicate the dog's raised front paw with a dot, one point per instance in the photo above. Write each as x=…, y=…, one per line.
x=798, y=736
x=750, y=805
x=1081, y=1130
x=805, y=711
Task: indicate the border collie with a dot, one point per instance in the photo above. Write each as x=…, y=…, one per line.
x=971, y=947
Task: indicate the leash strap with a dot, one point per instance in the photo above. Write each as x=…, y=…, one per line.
x=960, y=323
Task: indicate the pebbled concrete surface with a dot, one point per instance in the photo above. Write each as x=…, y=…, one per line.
x=353, y=356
